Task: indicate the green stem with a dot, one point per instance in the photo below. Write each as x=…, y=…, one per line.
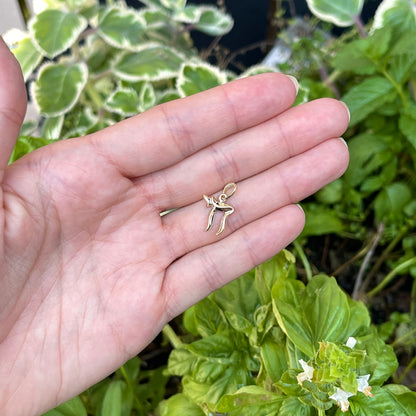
x=95, y=97
x=170, y=334
x=397, y=87
x=400, y=340
x=321, y=412
x=131, y=387
x=360, y=27
x=413, y=301
x=407, y=369
x=401, y=267
x=383, y=257
x=304, y=260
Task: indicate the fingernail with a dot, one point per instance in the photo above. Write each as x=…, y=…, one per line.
x=295, y=82
x=343, y=141
x=300, y=206
x=348, y=110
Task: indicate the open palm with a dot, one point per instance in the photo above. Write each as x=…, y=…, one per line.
x=89, y=269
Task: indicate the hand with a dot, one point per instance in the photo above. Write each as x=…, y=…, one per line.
x=89, y=270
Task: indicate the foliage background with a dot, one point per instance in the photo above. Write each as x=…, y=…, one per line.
x=232, y=358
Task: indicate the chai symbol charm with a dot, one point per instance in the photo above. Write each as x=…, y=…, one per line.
x=220, y=205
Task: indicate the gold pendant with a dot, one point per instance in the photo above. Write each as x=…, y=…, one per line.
x=220, y=205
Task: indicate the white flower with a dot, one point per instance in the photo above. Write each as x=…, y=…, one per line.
x=363, y=385
x=351, y=342
x=341, y=397
x=307, y=372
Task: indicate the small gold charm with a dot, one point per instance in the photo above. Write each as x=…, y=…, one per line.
x=220, y=205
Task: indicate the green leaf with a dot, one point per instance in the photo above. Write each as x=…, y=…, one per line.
x=112, y=403
x=341, y=13
x=367, y=97
x=239, y=296
x=54, y=31
x=52, y=127
x=266, y=274
x=327, y=309
x=147, y=96
x=26, y=144
x=121, y=27
x=321, y=220
x=194, y=78
x=293, y=406
x=373, y=161
x=181, y=362
x=207, y=19
x=250, y=401
x=396, y=14
x=123, y=101
x=274, y=359
x=58, y=87
x=381, y=361
x=308, y=316
x=179, y=405
x=381, y=404
x=151, y=63
x=209, y=318
x=287, y=307
x=390, y=203
x=73, y=407
x=405, y=399
x=407, y=123
x=24, y=50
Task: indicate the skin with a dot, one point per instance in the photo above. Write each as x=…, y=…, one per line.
x=89, y=270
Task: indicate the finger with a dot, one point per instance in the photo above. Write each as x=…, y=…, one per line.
x=170, y=132
x=229, y=258
x=12, y=103
x=246, y=153
x=256, y=197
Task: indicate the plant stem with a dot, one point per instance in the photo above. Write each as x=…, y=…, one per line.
x=131, y=387
x=401, y=267
x=383, y=257
x=413, y=301
x=304, y=260
x=400, y=340
x=397, y=87
x=170, y=334
x=95, y=97
x=406, y=370
x=321, y=412
x=24, y=9
x=366, y=261
x=360, y=27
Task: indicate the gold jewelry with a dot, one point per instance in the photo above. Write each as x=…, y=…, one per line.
x=220, y=205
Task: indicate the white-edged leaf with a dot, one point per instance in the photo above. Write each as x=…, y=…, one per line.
x=189, y=14
x=58, y=87
x=123, y=101
x=257, y=69
x=214, y=22
x=395, y=13
x=52, y=127
x=173, y=4
x=54, y=31
x=167, y=95
x=151, y=62
x=197, y=77
x=339, y=12
x=121, y=27
x=147, y=96
x=24, y=50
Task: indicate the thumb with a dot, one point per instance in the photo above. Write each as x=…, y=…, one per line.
x=12, y=103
